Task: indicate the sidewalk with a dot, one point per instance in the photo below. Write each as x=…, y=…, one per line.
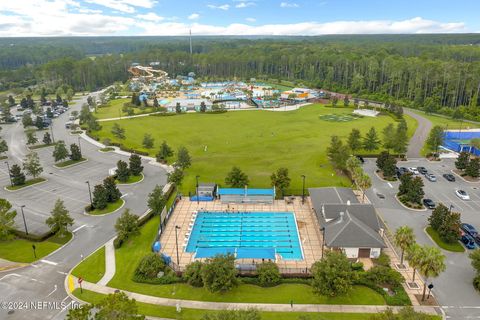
x=205, y=305
x=110, y=266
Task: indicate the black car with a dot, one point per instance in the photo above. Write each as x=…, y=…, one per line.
x=429, y=203
x=450, y=177
x=401, y=171
x=422, y=170
x=360, y=158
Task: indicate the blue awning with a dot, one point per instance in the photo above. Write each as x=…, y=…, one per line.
x=256, y=253
x=212, y=252
x=249, y=192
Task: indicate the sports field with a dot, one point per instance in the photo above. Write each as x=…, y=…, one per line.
x=259, y=142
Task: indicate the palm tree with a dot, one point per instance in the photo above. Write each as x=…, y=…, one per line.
x=404, y=238
x=414, y=254
x=431, y=264
x=364, y=182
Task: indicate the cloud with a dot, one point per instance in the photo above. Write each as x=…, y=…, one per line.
x=415, y=25
x=127, y=6
x=151, y=16
x=193, y=16
x=250, y=19
x=288, y=5
x=221, y=7
x=87, y=10
x=245, y=4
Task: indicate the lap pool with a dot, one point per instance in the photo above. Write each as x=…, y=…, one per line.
x=246, y=232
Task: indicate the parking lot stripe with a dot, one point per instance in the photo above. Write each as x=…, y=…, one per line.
x=49, y=262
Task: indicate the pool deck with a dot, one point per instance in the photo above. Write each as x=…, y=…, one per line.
x=308, y=228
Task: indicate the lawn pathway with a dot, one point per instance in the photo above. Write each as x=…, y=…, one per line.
x=274, y=307
x=109, y=263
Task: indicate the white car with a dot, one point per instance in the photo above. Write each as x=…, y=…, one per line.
x=413, y=170
x=462, y=194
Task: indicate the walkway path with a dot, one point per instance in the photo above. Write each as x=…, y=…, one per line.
x=421, y=134
x=110, y=267
x=260, y=306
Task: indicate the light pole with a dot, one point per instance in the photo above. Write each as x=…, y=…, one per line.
x=9, y=174
x=451, y=207
x=51, y=132
x=198, y=200
x=303, y=189
x=90, y=194
x=176, y=245
x=323, y=240
x=79, y=145
x=24, y=221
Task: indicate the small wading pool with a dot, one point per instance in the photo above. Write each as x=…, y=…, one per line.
x=235, y=231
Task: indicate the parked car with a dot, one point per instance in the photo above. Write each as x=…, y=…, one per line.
x=469, y=229
x=422, y=170
x=68, y=124
x=429, y=203
x=401, y=171
x=462, y=194
x=468, y=241
x=413, y=170
x=431, y=177
x=450, y=177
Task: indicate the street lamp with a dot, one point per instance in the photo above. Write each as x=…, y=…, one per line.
x=79, y=145
x=198, y=200
x=451, y=207
x=303, y=189
x=90, y=194
x=51, y=132
x=323, y=240
x=9, y=174
x=24, y=221
x=176, y=245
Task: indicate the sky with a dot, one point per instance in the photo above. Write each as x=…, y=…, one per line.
x=22, y=18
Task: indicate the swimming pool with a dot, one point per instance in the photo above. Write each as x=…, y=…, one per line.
x=234, y=231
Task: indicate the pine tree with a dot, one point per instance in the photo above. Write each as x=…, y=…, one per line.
x=60, y=151
x=401, y=138
x=3, y=146
x=18, y=177
x=46, y=138
x=164, y=152
x=462, y=160
x=371, y=141
x=31, y=138
x=281, y=180
x=112, y=192
x=236, y=178
x=75, y=153
x=100, y=197
x=435, y=138
x=473, y=168
x=118, y=131
x=389, y=137
x=123, y=173
x=31, y=165
x=60, y=219
x=354, y=140
x=148, y=141
x=135, y=164
x=183, y=158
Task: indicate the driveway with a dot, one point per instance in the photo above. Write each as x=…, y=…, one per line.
x=420, y=136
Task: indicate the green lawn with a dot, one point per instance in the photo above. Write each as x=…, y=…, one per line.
x=453, y=247
x=130, y=254
x=27, y=183
x=113, y=109
x=259, y=142
x=197, y=314
x=107, y=149
x=68, y=163
x=111, y=207
x=438, y=120
x=39, y=146
x=131, y=179
x=20, y=250
x=92, y=268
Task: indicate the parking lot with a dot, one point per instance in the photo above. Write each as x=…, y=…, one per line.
x=454, y=289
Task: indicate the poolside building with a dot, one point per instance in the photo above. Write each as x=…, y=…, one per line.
x=188, y=104
x=246, y=195
x=347, y=225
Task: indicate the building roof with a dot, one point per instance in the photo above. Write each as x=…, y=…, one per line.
x=188, y=102
x=206, y=187
x=246, y=191
x=347, y=222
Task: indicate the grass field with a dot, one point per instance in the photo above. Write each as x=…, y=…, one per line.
x=69, y=163
x=438, y=120
x=198, y=314
x=27, y=183
x=131, y=179
x=111, y=207
x=114, y=109
x=259, y=142
x=20, y=250
x=130, y=254
x=92, y=268
x=453, y=247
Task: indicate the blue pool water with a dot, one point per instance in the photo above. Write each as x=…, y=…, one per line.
x=277, y=230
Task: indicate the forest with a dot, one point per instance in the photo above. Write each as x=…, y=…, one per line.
x=439, y=73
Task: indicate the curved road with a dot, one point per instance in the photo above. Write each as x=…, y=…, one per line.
x=420, y=136
x=42, y=283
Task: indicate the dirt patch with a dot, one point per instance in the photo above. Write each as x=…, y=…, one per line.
x=431, y=301
x=380, y=174
x=301, y=224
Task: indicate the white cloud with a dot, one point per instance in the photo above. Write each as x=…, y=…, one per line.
x=87, y=10
x=245, y=4
x=289, y=5
x=250, y=19
x=193, y=16
x=221, y=7
x=151, y=16
x=127, y=6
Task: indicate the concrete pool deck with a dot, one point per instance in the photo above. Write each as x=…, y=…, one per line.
x=308, y=230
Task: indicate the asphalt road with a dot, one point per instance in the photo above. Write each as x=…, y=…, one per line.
x=453, y=288
x=420, y=136
x=44, y=280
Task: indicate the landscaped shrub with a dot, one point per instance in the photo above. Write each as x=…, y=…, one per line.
x=476, y=282
x=383, y=275
x=148, y=269
x=268, y=274
x=382, y=260
x=193, y=274
x=357, y=266
x=219, y=273
x=333, y=275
